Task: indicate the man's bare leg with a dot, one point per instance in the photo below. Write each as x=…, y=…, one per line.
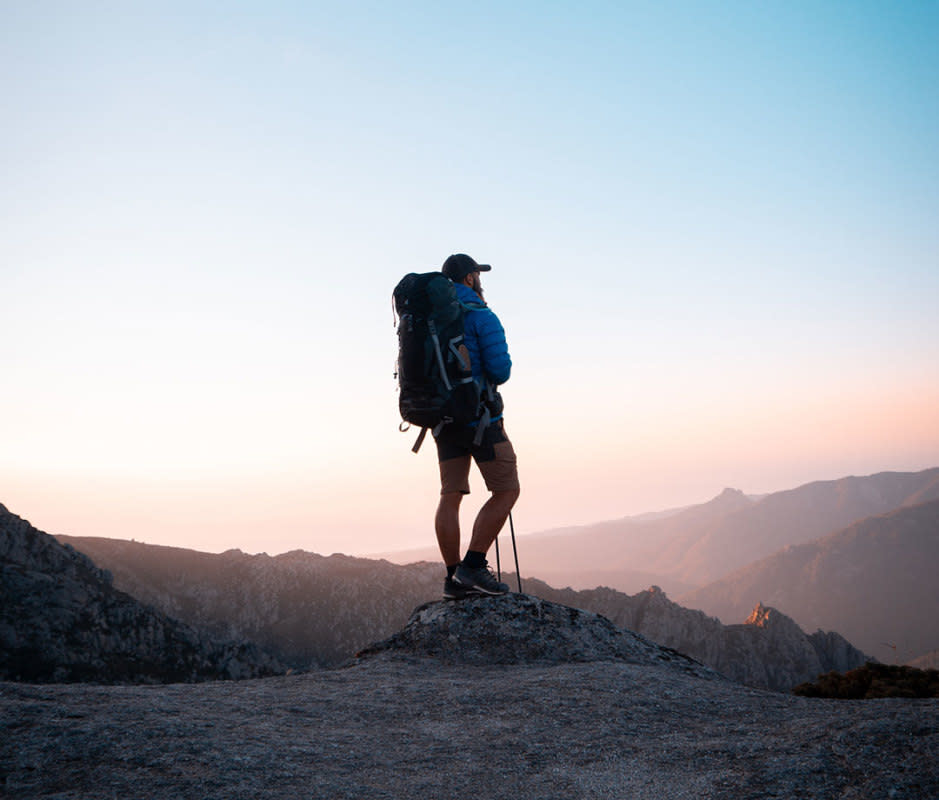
x=490, y=520
x=447, y=525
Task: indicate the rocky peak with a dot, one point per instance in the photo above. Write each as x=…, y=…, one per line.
x=22, y=544
x=760, y=616
x=773, y=622
x=521, y=629
x=731, y=499
x=777, y=626
x=784, y=651
x=727, y=502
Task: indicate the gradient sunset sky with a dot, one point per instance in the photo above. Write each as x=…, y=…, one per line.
x=714, y=231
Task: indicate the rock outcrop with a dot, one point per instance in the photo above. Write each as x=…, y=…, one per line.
x=62, y=620
x=774, y=652
x=521, y=629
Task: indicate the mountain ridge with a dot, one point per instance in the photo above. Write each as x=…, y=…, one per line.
x=876, y=577
x=316, y=611
x=768, y=650
x=61, y=619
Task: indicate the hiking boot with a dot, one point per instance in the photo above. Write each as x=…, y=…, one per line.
x=482, y=579
x=457, y=591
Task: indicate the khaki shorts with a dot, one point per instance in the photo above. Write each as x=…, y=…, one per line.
x=494, y=456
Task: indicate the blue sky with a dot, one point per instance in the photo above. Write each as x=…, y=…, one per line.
x=712, y=225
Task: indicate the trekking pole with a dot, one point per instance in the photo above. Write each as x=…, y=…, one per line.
x=498, y=562
x=518, y=573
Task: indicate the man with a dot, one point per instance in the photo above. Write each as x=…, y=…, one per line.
x=490, y=448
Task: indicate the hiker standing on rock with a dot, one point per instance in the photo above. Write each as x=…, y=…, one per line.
x=484, y=440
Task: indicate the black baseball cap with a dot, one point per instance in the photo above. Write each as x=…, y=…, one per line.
x=458, y=266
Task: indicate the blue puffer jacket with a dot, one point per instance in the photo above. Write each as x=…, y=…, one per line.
x=484, y=337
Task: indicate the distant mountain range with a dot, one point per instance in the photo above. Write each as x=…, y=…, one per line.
x=767, y=650
x=695, y=546
x=314, y=611
x=876, y=581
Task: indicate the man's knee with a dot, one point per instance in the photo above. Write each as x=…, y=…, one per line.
x=450, y=500
x=506, y=498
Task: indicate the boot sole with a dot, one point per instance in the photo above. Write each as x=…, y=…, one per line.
x=482, y=590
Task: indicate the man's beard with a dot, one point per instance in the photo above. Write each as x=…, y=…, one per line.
x=477, y=286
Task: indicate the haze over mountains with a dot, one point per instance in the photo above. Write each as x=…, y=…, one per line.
x=878, y=578
x=700, y=544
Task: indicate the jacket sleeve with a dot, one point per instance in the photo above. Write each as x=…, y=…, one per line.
x=493, y=349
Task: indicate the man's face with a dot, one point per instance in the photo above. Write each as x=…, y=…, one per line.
x=476, y=286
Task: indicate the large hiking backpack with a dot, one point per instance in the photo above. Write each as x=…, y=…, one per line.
x=435, y=378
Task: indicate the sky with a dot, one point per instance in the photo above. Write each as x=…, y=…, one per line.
x=712, y=228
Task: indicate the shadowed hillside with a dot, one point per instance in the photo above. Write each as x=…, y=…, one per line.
x=311, y=610
x=62, y=620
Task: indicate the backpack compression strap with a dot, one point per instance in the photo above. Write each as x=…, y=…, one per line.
x=484, y=421
x=420, y=440
x=486, y=418
x=435, y=432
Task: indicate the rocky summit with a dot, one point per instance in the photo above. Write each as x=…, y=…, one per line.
x=521, y=629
